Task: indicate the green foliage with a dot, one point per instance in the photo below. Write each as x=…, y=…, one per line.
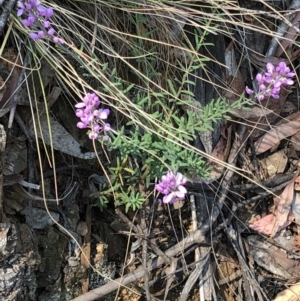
x=131, y=199
x=170, y=122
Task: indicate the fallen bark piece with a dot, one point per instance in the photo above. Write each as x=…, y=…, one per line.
x=272, y=258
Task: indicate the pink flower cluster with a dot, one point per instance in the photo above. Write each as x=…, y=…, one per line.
x=272, y=80
x=91, y=117
x=36, y=17
x=172, y=187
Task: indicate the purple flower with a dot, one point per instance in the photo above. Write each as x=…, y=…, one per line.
x=82, y=125
x=260, y=97
x=45, y=12
x=36, y=16
x=29, y=21
x=37, y=35
x=270, y=68
x=172, y=187
x=33, y=3
x=92, y=117
x=103, y=113
x=106, y=127
x=58, y=40
x=51, y=32
x=260, y=78
x=21, y=9
x=93, y=135
x=249, y=91
x=46, y=24
x=272, y=80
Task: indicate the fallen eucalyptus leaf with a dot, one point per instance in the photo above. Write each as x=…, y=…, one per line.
x=61, y=139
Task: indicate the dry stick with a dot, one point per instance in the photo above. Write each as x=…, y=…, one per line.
x=86, y=252
x=193, y=277
x=262, y=195
x=144, y=256
x=198, y=237
x=198, y=271
x=6, y=13
x=227, y=182
x=2, y=150
x=248, y=275
x=127, y=221
x=217, y=207
x=139, y=233
x=273, y=182
x=244, y=267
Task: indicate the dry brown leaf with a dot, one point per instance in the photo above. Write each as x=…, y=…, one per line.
x=272, y=258
x=297, y=184
x=220, y=152
x=266, y=224
x=274, y=164
x=296, y=141
x=296, y=208
x=13, y=85
x=295, y=54
x=290, y=294
x=282, y=217
x=9, y=59
x=275, y=135
x=284, y=206
x=248, y=18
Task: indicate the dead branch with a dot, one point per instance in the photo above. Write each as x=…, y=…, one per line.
x=198, y=237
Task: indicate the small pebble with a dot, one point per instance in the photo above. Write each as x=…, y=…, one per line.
x=82, y=228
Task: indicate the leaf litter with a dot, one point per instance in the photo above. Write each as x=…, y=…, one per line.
x=278, y=214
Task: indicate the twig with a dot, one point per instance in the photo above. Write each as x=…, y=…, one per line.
x=249, y=277
x=2, y=150
x=144, y=256
x=218, y=205
x=127, y=221
x=189, y=284
x=193, y=277
x=270, y=183
x=262, y=195
x=200, y=272
x=86, y=254
x=197, y=237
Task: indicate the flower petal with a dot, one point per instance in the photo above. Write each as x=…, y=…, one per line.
x=80, y=105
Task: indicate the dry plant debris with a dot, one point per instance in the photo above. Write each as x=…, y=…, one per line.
x=92, y=224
